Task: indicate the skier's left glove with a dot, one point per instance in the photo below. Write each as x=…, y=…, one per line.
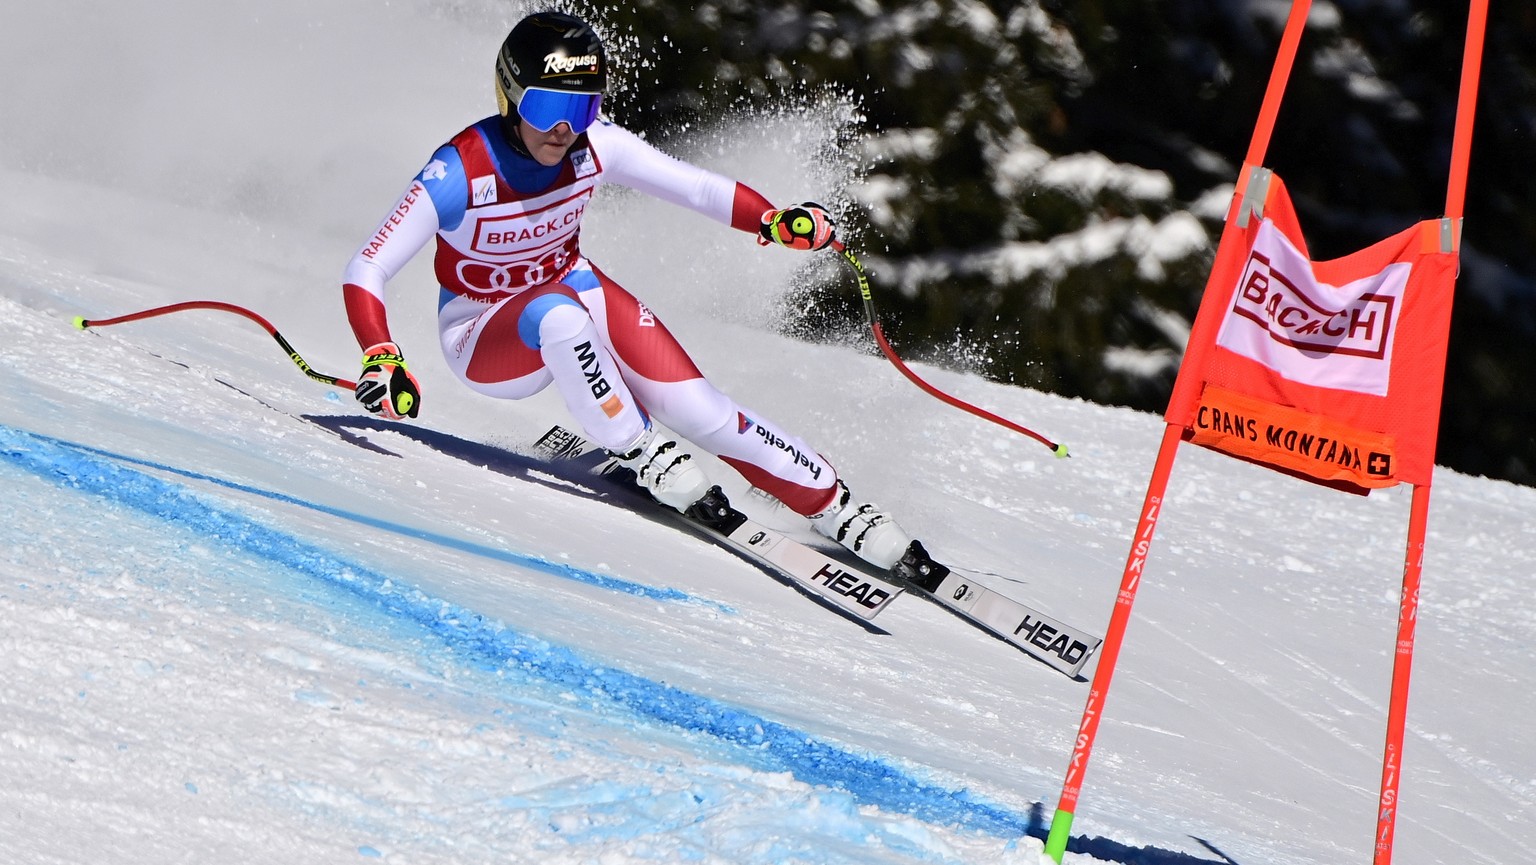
x=386, y=387
x=801, y=226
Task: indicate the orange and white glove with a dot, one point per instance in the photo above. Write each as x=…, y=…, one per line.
x=801, y=226
x=386, y=387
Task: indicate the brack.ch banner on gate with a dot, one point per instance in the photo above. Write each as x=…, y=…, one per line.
x=1328, y=370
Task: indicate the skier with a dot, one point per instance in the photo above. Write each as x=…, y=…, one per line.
x=520, y=306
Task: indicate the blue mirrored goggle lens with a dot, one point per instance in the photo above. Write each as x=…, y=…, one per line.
x=545, y=109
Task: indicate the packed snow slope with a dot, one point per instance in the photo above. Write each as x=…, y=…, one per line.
x=246, y=622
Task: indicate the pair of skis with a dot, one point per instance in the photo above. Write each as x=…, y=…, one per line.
x=850, y=590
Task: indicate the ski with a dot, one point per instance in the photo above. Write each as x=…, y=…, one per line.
x=844, y=589
x=849, y=589
x=1058, y=645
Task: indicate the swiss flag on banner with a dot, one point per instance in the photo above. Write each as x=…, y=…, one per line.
x=1329, y=370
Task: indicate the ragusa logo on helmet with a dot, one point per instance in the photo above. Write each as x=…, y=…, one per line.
x=554, y=64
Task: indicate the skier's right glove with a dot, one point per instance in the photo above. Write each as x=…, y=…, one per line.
x=386, y=387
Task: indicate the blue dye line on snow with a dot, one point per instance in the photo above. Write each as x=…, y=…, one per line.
x=60, y=457
x=768, y=744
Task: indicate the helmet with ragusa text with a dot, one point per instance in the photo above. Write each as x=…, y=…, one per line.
x=551, y=69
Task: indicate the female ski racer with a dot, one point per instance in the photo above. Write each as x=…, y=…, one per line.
x=520, y=306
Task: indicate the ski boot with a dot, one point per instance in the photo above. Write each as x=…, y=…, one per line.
x=862, y=528
x=663, y=469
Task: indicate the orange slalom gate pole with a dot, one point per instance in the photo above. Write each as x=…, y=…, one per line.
x=1285, y=58
x=1130, y=581
x=1466, y=108
x=1061, y=823
x=1402, y=668
x=1418, y=517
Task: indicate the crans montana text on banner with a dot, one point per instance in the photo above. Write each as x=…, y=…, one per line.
x=1329, y=370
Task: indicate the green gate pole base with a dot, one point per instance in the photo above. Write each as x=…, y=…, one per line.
x=1056, y=842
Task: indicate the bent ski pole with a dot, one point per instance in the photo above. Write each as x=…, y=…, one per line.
x=1060, y=450
x=82, y=323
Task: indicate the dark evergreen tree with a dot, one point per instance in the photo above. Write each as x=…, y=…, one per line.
x=1055, y=171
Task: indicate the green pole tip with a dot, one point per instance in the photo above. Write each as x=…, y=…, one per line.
x=1061, y=452
x=80, y=322
x=1056, y=841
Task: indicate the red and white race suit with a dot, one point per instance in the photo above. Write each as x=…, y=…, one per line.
x=520, y=306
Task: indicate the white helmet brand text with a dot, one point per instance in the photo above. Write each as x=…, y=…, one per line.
x=558, y=64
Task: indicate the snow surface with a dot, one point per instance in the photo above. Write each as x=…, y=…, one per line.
x=246, y=623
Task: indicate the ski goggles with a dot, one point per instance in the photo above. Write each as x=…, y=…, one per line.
x=546, y=109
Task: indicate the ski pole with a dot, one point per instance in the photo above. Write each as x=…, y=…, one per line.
x=1060, y=450
x=82, y=323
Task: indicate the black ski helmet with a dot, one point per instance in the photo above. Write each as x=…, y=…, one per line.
x=553, y=51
